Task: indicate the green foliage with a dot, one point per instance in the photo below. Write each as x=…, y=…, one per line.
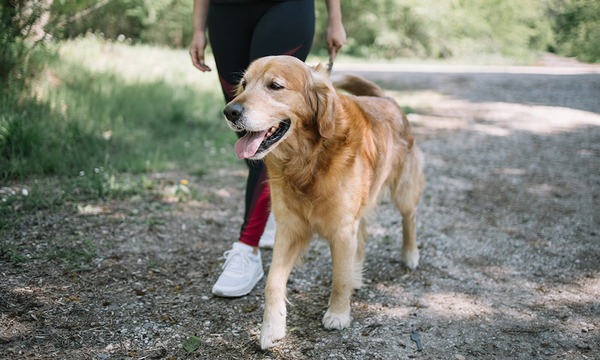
x=191, y=344
x=115, y=18
x=166, y=22
x=577, y=28
x=375, y=28
x=17, y=23
x=440, y=28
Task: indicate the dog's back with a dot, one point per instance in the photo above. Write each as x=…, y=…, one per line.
x=359, y=86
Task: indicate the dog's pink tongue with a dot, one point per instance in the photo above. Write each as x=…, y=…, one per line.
x=247, y=146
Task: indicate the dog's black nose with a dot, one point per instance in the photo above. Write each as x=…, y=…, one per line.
x=233, y=112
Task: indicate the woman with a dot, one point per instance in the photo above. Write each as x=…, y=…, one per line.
x=240, y=32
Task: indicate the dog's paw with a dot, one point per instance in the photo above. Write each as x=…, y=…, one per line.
x=333, y=321
x=271, y=332
x=411, y=258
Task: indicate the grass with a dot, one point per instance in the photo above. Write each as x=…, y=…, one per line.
x=82, y=117
x=94, y=124
x=74, y=254
x=11, y=253
x=127, y=108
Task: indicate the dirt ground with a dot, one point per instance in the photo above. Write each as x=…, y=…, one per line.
x=509, y=227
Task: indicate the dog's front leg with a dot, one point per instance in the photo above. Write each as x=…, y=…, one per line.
x=343, y=249
x=285, y=252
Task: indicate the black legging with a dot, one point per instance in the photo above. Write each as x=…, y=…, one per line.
x=239, y=34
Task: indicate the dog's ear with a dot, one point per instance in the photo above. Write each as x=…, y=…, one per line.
x=324, y=98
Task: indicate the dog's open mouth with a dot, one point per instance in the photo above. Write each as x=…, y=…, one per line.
x=255, y=142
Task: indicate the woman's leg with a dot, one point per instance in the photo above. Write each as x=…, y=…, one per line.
x=230, y=31
x=281, y=28
x=238, y=35
x=285, y=28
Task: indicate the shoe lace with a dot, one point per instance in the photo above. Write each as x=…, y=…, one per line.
x=237, y=266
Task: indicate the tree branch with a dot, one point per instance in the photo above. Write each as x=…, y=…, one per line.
x=84, y=12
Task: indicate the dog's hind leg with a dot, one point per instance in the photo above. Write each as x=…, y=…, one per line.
x=286, y=250
x=406, y=194
x=343, y=245
x=410, y=249
x=359, y=259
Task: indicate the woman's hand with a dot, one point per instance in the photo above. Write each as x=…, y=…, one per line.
x=336, y=35
x=199, y=39
x=197, y=50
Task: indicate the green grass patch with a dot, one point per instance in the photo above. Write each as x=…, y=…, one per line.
x=11, y=253
x=101, y=117
x=73, y=253
x=130, y=109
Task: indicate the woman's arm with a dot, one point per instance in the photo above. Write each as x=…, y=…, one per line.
x=336, y=35
x=199, y=39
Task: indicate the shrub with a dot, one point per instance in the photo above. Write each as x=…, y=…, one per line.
x=165, y=22
x=440, y=28
x=577, y=28
x=18, y=23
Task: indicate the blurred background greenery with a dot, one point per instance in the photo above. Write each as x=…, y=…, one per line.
x=97, y=91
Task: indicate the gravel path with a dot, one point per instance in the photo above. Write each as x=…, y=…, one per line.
x=509, y=227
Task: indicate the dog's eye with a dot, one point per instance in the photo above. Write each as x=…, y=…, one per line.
x=243, y=84
x=275, y=86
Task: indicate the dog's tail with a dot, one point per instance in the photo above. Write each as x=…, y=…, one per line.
x=357, y=85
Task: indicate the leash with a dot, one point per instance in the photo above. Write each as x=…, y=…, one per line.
x=331, y=59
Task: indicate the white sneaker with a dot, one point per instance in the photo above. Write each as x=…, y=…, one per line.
x=241, y=271
x=267, y=240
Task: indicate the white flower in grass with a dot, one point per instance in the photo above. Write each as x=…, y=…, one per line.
x=82, y=173
x=25, y=192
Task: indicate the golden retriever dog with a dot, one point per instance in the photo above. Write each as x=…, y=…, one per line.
x=329, y=158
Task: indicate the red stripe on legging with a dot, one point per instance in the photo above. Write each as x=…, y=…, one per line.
x=292, y=51
x=255, y=225
x=227, y=87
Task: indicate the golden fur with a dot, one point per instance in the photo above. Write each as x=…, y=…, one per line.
x=327, y=172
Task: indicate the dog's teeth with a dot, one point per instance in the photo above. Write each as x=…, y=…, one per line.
x=272, y=131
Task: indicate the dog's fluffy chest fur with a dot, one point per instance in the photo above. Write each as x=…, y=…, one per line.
x=345, y=171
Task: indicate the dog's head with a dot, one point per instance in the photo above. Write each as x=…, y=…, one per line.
x=277, y=97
